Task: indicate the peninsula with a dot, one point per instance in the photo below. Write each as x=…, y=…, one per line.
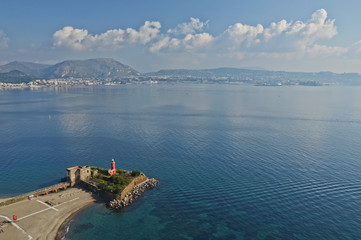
x=44, y=213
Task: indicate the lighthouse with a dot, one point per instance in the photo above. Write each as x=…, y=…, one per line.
x=112, y=169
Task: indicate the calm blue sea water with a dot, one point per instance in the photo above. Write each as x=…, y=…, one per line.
x=234, y=162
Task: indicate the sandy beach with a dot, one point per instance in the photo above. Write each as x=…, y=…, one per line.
x=44, y=217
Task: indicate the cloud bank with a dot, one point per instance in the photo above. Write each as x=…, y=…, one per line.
x=81, y=39
x=239, y=39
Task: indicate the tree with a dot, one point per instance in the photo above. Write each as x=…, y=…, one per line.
x=135, y=173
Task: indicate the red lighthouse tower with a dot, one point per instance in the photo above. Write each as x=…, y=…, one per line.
x=112, y=169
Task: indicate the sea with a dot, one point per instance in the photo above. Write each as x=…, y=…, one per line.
x=233, y=161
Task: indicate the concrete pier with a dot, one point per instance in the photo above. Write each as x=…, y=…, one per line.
x=40, y=192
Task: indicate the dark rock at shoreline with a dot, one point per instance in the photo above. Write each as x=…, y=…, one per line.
x=134, y=194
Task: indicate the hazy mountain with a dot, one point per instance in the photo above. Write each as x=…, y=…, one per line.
x=259, y=76
x=16, y=76
x=215, y=72
x=107, y=68
x=101, y=68
x=30, y=68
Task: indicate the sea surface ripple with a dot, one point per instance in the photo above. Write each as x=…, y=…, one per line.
x=234, y=161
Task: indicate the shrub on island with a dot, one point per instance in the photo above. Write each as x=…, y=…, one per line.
x=113, y=184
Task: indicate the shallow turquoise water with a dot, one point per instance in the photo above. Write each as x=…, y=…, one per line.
x=234, y=162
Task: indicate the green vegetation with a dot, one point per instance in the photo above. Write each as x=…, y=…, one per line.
x=135, y=173
x=114, y=184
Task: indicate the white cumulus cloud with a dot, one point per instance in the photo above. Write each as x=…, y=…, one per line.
x=146, y=33
x=284, y=36
x=80, y=39
x=193, y=26
x=197, y=40
x=276, y=28
x=240, y=32
x=72, y=38
x=280, y=38
x=189, y=42
x=317, y=27
x=192, y=37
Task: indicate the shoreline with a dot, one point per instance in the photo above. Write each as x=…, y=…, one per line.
x=61, y=229
x=46, y=213
x=3, y=199
x=44, y=217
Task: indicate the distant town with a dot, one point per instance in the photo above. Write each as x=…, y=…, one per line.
x=106, y=71
x=68, y=82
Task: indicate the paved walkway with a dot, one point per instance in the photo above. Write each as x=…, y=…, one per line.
x=40, y=218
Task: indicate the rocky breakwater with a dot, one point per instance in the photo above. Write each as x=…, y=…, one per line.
x=136, y=192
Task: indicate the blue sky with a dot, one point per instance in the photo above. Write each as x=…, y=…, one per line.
x=152, y=35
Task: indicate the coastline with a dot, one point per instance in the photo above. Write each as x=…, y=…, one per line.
x=61, y=229
x=3, y=199
x=45, y=213
x=46, y=216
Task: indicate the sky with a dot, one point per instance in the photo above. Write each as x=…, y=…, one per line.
x=302, y=36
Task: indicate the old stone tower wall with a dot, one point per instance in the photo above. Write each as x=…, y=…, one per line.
x=77, y=174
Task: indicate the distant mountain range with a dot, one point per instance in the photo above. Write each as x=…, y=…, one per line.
x=107, y=69
x=215, y=72
x=92, y=68
x=100, y=68
x=16, y=76
x=29, y=68
x=259, y=76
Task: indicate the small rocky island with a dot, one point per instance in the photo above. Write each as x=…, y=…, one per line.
x=120, y=187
